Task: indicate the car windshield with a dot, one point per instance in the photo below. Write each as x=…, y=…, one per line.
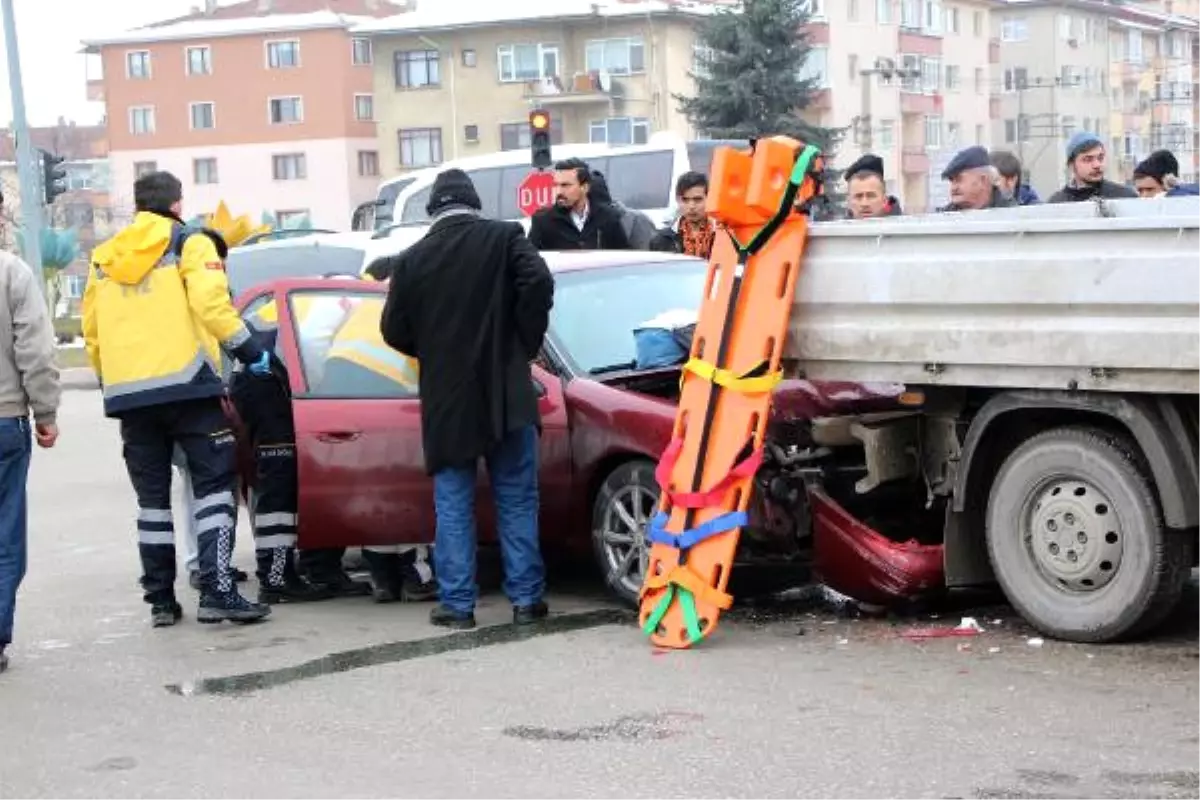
x=596, y=310
x=252, y=265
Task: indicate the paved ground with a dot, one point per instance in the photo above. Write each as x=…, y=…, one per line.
x=352, y=699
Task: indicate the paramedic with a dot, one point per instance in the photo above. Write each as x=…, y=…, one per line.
x=156, y=313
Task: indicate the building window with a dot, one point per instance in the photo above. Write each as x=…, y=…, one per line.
x=814, y=8
x=137, y=64
x=141, y=168
x=364, y=107
x=933, y=133
x=887, y=133
x=420, y=147
x=199, y=60
x=933, y=17
x=852, y=66
x=1014, y=29
x=953, y=24
x=1015, y=129
x=368, y=163
x=286, y=110
x=515, y=135
x=289, y=167
x=979, y=134
x=931, y=75
x=291, y=217
x=141, y=119
x=852, y=10
x=953, y=78
x=283, y=55
x=977, y=23
x=980, y=80
x=1135, y=47
x=360, y=52
x=416, y=69
x=204, y=170
x=954, y=135
x=470, y=58
x=616, y=56
x=1068, y=126
x=910, y=14
x=526, y=62
x=619, y=130
x=883, y=12
x=80, y=176
x=816, y=68
x=1015, y=79
x=203, y=116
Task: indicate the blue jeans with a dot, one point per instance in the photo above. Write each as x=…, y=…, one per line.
x=16, y=447
x=513, y=473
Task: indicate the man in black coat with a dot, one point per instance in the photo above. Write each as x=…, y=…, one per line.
x=471, y=302
x=1086, y=157
x=576, y=221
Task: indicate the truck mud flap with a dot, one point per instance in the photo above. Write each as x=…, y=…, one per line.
x=852, y=558
x=707, y=471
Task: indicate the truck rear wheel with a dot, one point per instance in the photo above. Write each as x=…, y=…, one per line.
x=1076, y=537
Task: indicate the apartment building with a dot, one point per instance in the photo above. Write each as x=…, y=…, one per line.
x=265, y=104
x=915, y=119
x=448, y=86
x=1120, y=71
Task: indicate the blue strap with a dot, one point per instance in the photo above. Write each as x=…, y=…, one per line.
x=658, y=533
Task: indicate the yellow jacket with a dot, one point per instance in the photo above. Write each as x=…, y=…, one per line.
x=155, y=323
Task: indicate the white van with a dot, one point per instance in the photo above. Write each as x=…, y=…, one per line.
x=640, y=176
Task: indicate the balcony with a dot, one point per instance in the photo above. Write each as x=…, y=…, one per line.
x=994, y=51
x=914, y=161
x=914, y=43
x=584, y=89
x=817, y=33
x=821, y=100
x=995, y=107
x=95, y=90
x=913, y=102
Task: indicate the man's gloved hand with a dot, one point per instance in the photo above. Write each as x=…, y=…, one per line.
x=261, y=367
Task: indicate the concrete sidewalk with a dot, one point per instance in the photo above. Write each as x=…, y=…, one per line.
x=78, y=378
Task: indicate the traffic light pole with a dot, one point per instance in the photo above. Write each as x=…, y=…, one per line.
x=27, y=169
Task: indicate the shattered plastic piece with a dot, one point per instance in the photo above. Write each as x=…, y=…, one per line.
x=970, y=624
x=843, y=641
x=920, y=634
x=993, y=649
x=964, y=647
x=1036, y=641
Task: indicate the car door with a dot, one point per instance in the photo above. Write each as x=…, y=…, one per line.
x=554, y=465
x=357, y=418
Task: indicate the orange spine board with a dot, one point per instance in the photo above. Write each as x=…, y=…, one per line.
x=746, y=192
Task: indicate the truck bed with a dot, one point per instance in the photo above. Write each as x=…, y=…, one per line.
x=1088, y=296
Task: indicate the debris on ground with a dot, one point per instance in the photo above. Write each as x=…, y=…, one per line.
x=969, y=626
x=993, y=649
x=1036, y=641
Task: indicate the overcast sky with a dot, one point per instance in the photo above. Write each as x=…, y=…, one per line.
x=49, y=33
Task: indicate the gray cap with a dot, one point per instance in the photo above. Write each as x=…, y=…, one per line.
x=971, y=158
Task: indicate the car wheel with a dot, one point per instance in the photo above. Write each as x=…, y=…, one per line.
x=626, y=501
x=1076, y=537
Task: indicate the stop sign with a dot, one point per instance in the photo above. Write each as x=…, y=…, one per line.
x=536, y=191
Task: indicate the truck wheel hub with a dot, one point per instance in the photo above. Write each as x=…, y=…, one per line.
x=1073, y=535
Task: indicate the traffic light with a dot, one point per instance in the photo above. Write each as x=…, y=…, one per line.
x=54, y=176
x=539, y=139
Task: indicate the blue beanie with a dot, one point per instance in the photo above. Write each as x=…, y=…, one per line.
x=1081, y=141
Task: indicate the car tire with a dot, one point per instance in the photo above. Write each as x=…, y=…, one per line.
x=624, y=504
x=1076, y=537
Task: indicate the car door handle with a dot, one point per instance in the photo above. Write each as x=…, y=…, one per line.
x=338, y=436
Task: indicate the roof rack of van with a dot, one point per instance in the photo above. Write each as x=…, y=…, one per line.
x=268, y=236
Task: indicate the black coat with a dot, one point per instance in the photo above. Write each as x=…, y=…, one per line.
x=471, y=302
x=553, y=229
x=1078, y=194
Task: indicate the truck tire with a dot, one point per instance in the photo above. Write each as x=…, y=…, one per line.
x=624, y=504
x=1076, y=538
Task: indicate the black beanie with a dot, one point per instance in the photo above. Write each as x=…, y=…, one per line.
x=869, y=163
x=1157, y=165
x=452, y=188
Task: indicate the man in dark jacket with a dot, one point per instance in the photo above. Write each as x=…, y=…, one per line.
x=471, y=302
x=1009, y=167
x=866, y=190
x=693, y=233
x=639, y=230
x=1086, y=159
x=574, y=222
x=974, y=182
x=1159, y=175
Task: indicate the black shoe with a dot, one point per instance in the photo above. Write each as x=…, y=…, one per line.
x=164, y=615
x=527, y=615
x=449, y=618
x=229, y=606
x=414, y=592
x=194, y=580
x=3, y=660
x=342, y=585
x=293, y=591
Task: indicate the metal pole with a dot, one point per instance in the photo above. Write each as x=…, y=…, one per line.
x=867, y=140
x=1020, y=118
x=31, y=204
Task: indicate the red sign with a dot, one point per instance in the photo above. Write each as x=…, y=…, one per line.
x=536, y=191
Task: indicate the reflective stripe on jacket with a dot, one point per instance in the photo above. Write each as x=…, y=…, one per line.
x=154, y=322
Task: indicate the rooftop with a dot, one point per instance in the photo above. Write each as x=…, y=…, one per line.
x=1126, y=13
x=74, y=142
x=447, y=15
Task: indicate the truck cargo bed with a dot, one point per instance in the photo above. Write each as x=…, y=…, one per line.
x=1089, y=296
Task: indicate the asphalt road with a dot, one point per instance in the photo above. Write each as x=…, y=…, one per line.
x=347, y=698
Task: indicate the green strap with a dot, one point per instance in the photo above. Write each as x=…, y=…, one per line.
x=687, y=604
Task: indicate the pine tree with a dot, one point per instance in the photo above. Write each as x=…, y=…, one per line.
x=749, y=80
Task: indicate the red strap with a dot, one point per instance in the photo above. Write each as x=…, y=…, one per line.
x=711, y=497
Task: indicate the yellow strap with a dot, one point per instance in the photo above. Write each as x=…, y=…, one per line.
x=683, y=577
x=738, y=383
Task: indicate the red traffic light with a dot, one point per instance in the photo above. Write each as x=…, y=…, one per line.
x=539, y=120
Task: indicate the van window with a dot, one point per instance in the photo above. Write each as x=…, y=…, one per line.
x=487, y=186
x=641, y=180
x=386, y=203
x=414, y=207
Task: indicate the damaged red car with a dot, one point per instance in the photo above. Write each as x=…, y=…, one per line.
x=362, y=477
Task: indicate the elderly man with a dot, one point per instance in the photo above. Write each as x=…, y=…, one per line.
x=974, y=182
x=866, y=190
x=1086, y=158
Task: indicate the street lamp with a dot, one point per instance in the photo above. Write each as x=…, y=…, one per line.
x=886, y=68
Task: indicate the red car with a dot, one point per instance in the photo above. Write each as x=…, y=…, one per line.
x=363, y=481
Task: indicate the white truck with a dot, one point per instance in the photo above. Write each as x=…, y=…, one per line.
x=1051, y=362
